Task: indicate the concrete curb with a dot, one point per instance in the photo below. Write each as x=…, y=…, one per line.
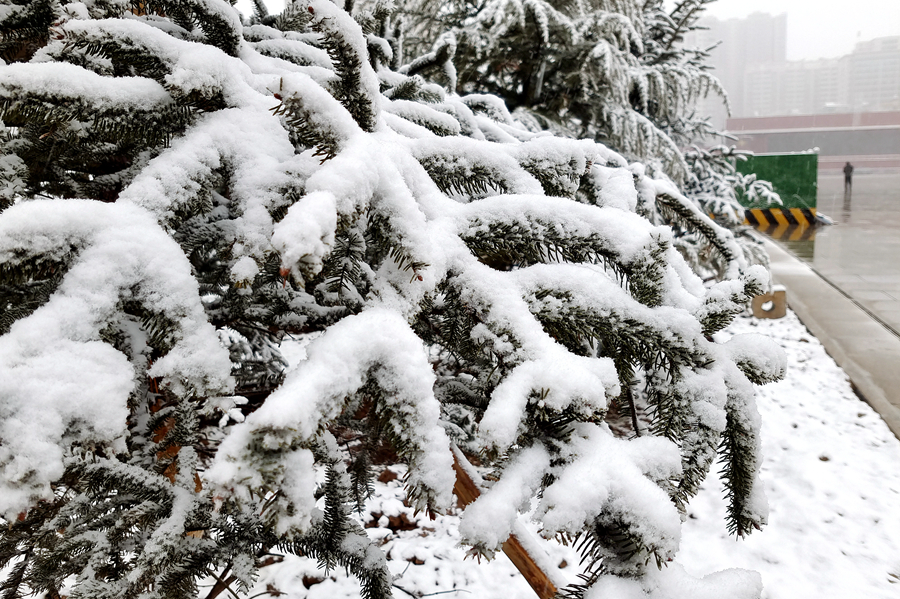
x=867, y=351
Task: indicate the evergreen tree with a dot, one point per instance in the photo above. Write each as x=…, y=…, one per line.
x=612, y=70
x=182, y=191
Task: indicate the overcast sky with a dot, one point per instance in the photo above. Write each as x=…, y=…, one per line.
x=816, y=28
x=821, y=28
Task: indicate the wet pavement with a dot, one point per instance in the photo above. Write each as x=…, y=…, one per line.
x=860, y=253
x=868, y=351
x=843, y=281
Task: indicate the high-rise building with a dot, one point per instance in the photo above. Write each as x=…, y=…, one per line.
x=742, y=43
x=751, y=63
x=866, y=80
x=873, y=75
x=795, y=87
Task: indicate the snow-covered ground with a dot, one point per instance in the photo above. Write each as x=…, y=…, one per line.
x=832, y=474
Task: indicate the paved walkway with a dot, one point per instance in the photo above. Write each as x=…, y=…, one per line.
x=860, y=254
x=867, y=348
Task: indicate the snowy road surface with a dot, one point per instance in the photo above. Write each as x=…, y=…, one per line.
x=832, y=474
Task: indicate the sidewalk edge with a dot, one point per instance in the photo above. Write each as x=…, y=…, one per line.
x=787, y=269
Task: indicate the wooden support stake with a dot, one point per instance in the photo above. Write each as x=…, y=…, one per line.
x=467, y=491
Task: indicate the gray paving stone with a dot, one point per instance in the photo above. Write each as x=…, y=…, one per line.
x=870, y=296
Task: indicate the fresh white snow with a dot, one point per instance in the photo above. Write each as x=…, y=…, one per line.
x=831, y=471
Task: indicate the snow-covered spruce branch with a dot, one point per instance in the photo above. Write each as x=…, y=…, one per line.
x=618, y=72
x=454, y=275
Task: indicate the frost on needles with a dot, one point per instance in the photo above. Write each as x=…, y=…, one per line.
x=181, y=191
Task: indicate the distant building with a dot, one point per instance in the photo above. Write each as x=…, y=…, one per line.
x=866, y=80
x=752, y=66
x=795, y=87
x=873, y=75
x=757, y=39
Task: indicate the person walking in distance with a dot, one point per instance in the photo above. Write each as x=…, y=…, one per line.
x=848, y=177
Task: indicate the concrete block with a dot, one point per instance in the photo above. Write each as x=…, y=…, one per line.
x=778, y=308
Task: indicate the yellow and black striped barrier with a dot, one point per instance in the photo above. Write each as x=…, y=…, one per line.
x=763, y=217
x=791, y=224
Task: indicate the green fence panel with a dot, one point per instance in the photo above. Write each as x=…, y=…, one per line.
x=793, y=176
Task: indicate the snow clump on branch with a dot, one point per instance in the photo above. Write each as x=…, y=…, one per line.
x=459, y=279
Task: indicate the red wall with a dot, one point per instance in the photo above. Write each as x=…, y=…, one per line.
x=814, y=121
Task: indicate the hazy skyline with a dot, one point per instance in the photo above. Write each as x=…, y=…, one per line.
x=813, y=29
